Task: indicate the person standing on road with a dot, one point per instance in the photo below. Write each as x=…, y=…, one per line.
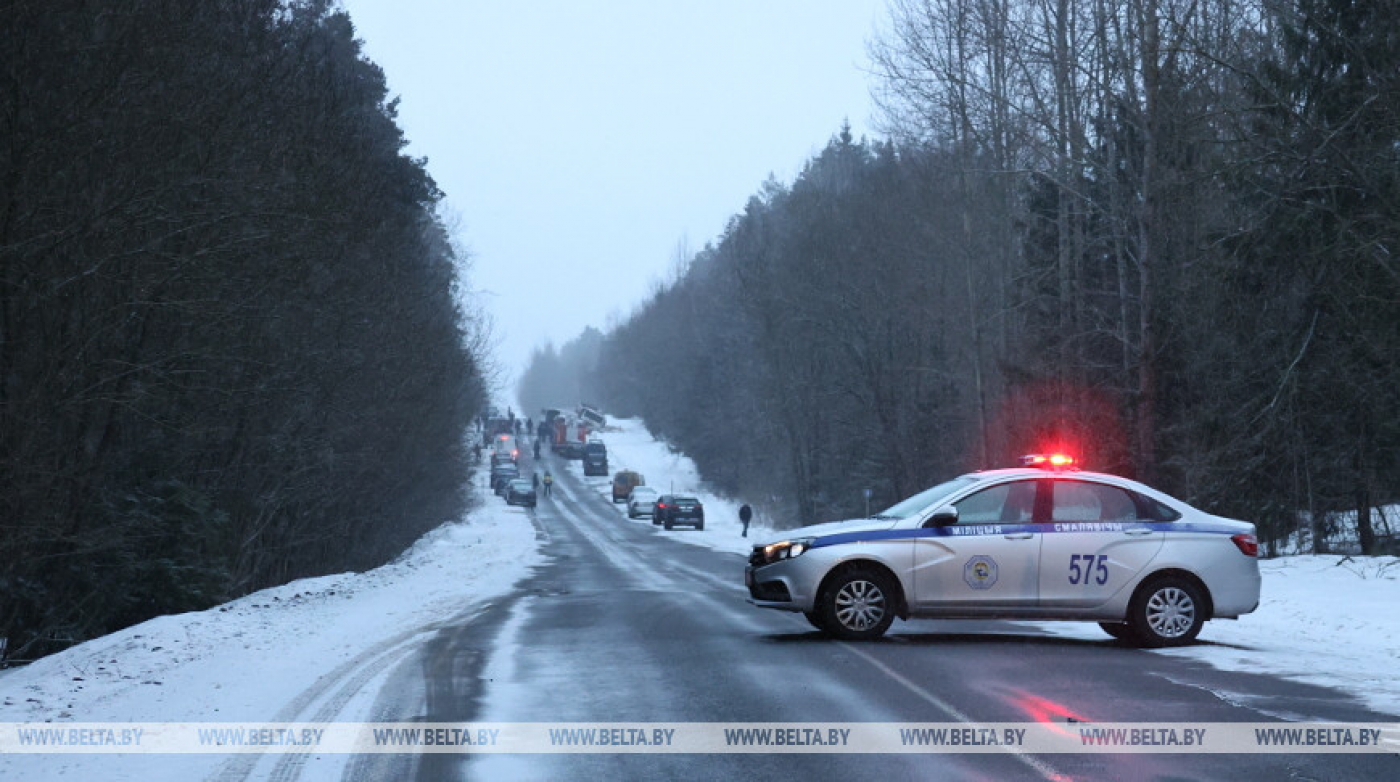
x=745, y=514
x=535, y=480
x=548, y=482
x=537, y=448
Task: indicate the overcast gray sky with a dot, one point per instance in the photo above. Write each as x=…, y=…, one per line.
x=581, y=143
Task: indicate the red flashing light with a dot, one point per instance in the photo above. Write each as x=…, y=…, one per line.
x=1058, y=461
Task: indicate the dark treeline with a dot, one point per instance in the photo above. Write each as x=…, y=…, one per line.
x=230, y=353
x=1159, y=234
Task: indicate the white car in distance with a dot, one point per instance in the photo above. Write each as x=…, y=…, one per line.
x=641, y=501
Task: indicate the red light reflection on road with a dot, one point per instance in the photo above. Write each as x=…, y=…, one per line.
x=1046, y=711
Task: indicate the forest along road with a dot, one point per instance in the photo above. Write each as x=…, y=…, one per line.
x=624, y=624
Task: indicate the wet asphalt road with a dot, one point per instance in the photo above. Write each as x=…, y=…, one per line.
x=624, y=624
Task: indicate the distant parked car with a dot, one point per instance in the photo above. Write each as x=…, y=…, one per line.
x=520, y=492
x=504, y=467
x=595, y=458
x=641, y=501
x=623, y=484
x=673, y=509
x=502, y=475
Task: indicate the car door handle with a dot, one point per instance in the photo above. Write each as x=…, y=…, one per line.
x=1139, y=531
x=1020, y=536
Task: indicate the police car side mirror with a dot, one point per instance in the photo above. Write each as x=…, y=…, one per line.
x=943, y=517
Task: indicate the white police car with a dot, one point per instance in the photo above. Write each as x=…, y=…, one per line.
x=1044, y=541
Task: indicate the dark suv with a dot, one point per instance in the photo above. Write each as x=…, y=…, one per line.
x=595, y=458
x=673, y=509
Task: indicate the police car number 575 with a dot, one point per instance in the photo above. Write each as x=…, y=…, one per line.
x=1043, y=541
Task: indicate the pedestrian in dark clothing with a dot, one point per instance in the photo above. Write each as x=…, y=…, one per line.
x=745, y=514
x=548, y=482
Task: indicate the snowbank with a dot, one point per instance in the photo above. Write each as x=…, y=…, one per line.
x=259, y=658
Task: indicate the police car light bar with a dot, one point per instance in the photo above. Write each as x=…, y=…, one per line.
x=1050, y=460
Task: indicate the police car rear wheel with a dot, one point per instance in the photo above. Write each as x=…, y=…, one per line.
x=858, y=605
x=1168, y=612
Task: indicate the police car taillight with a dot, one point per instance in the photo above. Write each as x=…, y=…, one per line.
x=1054, y=461
x=1246, y=543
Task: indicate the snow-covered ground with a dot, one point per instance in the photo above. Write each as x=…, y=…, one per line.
x=1327, y=620
x=286, y=654
x=283, y=654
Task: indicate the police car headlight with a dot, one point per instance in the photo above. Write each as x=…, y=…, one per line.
x=785, y=549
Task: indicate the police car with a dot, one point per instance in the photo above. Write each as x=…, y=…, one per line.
x=1043, y=541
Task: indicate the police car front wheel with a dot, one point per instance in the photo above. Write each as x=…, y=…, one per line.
x=857, y=605
x=1169, y=611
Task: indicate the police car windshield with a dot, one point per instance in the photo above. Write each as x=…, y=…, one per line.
x=924, y=500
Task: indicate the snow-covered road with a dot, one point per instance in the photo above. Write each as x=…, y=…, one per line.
x=321, y=649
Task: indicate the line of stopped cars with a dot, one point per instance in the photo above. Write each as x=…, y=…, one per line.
x=506, y=480
x=1044, y=541
x=666, y=510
